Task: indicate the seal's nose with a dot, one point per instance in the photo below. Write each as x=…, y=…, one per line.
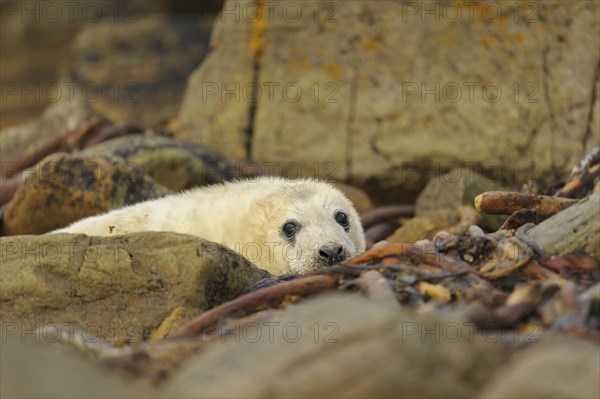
x=331, y=253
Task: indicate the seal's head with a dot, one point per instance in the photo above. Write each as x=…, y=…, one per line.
x=305, y=226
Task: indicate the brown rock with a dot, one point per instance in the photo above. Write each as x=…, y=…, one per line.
x=35, y=43
x=454, y=189
x=209, y=116
x=62, y=189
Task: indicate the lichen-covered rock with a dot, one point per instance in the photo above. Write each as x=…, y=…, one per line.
x=341, y=346
x=209, y=116
x=116, y=288
x=63, y=188
x=506, y=86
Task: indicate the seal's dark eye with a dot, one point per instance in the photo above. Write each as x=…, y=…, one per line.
x=342, y=219
x=290, y=228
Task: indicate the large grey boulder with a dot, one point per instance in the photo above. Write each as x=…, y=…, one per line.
x=340, y=346
x=117, y=288
x=385, y=89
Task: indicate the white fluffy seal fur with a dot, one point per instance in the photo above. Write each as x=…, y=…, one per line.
x=283, y=226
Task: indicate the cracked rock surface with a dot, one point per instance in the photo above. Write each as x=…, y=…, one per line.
x=373, y=94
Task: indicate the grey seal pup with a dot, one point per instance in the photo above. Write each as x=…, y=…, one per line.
x=283, y=226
